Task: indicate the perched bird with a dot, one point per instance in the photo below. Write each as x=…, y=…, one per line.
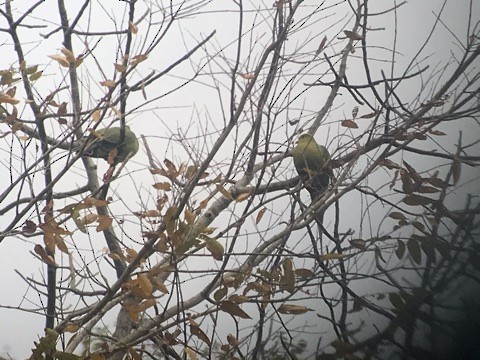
x=312, y=163
x=105, y=141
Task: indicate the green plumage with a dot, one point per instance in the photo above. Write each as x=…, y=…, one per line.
x=106, y=140
x=312, y=163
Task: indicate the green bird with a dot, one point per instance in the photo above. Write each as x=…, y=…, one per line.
x=312, y=163
x=105, y=141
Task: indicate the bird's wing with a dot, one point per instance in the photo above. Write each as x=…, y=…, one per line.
x=322, y=150
x=110, y=135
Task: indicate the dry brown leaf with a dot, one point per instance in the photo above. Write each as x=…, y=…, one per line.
x=96, y=116
x=233, y=309
x=108, y=83
x=120, y=67
x=68, y=55
x=260, y=215
x=132, y=27
x=5, y=98
x=349, y=124
x=104, y=222
x=60, y=59
x=224, y=192
x=293, y=309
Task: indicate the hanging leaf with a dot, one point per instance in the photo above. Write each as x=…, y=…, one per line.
x=439, y=183
x=288, y=279
x=171, y=338
x=389, y=164
x=134, y=309
x=260, y=215
x=233, y=309
x=407, y=183
x=349, y=124
x=396, y=301
x=120, y=68
x=79, y=222
x=60, y=59
x=104, y=222
x=442, y=248
x=414, y=250
x=131, y=254
x=171, y=168
x=195, y=330
x=358, y=244
x=224, y=192
x=357, y=305
x=62, y=109
x=238, y=299
x=91, y=201
x=31, y=69
x=400, y=250
x=29, y=227
x=456, y=170
x=47, y=259
x=232, y=340
x=108, y=83
x=61, y=244
x=36, y=76
x=418, y=226
x=189, y=216
x=192, y=355
x=304, y=273
x=165, y=186
x=132, y=28
x=293, y=309
x=426, y=189
x=68, y=54
x=215, y=248
x=220, y=293
x=354, y=112
x=370, y=115
x=140, y=287
x=7, y=99
x=397, y=215
x=96, y=115
x=428, y=248
x=137, y=59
